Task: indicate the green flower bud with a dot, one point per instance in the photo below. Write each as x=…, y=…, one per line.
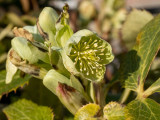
x=70, y=97
x=46, y=24
x=31, y=69
x=52, y=78
x=27, y=51
x=87, y=55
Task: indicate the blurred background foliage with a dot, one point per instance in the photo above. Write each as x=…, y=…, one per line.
x=105, y=17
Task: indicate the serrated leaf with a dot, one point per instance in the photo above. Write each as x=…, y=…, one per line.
x=87, y=112
x=43, y=96
x=135, y=21
x=114, y=111
x=137, y=62
x=146, y=109
x=16, y=82
x=27, y=110
x=155, y=87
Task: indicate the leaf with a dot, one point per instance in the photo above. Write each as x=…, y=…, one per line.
x=155, y=87
x=87, y=112
x=146, y=109
x=114, y=111
x=16, y=82
x=135, y=21
x=137, y=62
x=43, y=96
x=27, y=110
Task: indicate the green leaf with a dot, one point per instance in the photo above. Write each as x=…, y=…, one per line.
x=16, y=82
x=87, y=112
x=114, y=111
x=137, y=62
x=155, y=87
x=27, y=110
x=135, y=21
x=146, y=109
x=43, y=96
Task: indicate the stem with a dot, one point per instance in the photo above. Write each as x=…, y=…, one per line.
x=140, y=91
x=125, y=95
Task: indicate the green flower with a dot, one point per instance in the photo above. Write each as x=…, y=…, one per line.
x=89, y=54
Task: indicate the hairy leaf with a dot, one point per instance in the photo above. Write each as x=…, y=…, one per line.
x=114, y=111
x=145, y=109
x=87, y=112
x=16, y=82
x=137, y=62
x=27, y=110
x=135, y=21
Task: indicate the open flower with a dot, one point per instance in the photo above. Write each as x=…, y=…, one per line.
x=89, y=54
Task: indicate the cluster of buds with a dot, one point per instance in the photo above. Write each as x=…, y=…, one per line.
x=70, y=64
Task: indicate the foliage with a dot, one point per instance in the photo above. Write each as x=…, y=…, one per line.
x=71, y=65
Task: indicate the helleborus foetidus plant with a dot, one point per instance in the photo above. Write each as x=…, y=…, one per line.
x=68, y=63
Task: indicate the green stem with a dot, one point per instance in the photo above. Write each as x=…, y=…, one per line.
x=125, y=95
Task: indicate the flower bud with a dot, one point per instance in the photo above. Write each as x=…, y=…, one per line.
x=27, y=51
x=46, y=24
x=70, y=97
x=31, y=69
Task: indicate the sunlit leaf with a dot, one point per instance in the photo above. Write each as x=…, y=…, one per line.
x=27, y=110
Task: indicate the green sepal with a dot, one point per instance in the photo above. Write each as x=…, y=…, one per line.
x=46, y=24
